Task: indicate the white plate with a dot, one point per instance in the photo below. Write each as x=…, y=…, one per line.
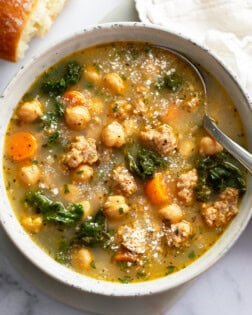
x=150, y=305
x=142, y=9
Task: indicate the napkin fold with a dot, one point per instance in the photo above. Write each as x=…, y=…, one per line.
x=223, y=26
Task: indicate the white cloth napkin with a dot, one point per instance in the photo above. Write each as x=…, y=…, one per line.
x=223, y=26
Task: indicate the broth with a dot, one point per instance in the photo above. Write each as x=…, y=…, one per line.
x=146, y=213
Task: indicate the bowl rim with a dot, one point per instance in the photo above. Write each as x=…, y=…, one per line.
x=82, y=282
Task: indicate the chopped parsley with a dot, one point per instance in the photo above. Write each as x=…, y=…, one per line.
x=97, y=67
x=115, y=108
x=53, y=137
x=92, y=265
x=141, y=274
x=120, y=210
x=89, y=85
x=134, y=54
x=79, y=172
x=147, y=49
x=124, y=280
x=170, y=269
x=192, y=255
x=66, y=189
x=201, y=230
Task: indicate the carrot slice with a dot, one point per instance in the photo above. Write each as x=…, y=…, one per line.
x=173, y=113
x=21, y=145
x=125, y=256
x=156, y=191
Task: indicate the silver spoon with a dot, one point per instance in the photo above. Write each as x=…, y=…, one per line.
x=242, y=155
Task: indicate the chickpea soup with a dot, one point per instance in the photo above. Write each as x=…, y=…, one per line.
x=108, y=168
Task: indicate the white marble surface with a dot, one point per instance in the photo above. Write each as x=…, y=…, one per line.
x=225, y=289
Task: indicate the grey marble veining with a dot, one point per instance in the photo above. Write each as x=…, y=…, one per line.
x=224, y=289
x=14, y=297
x=19, y=297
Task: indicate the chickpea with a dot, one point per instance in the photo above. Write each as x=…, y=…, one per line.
x=30, y=111
x=187, y=148
x=96, y=106
x=77, y=117
x=83, y=173
x=130, y=126
x=209, y=146
x=30, y=174
x=113, y=135
x=114, y=83
x=73, y=98
x=172, y=212
x=82, y=258
x=87, y=209
x=92, y=75
x=121, y=109
x=70, y=193
x=115, y=207
x=32, y=224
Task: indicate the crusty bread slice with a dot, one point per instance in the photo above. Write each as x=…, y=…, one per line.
x=21, y=20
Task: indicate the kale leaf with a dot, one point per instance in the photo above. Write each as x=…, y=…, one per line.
x=94, y=231
x=54, y=87
x=171, y=81
x=52, y=117
x=54, y=212
x=217, y=172
x=63, y=253
x=59, y=109
x=142, y=162
x=72, y=75
x=53, y=137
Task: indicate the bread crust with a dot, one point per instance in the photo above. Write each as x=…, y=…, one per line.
x=14, y=15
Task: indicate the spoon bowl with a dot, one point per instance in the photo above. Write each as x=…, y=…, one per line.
x=134, y=293
x=242, y=155
x=237, y=151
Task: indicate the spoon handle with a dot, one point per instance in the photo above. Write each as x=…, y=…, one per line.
x=242, y=155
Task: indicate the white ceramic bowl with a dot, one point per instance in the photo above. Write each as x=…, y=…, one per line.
x=89, y=37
